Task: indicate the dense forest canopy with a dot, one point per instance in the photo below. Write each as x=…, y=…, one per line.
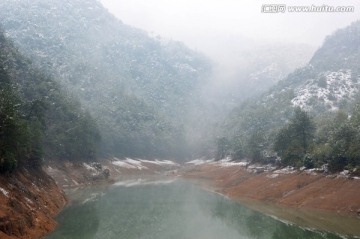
x=38, y=119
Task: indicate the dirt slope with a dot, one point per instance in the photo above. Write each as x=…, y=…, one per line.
x=298, y=189
x=29, y=200
x=306, y=198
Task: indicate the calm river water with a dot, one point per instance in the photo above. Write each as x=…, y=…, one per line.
x=142, y=209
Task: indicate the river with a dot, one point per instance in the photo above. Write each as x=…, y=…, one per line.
x=167, y=209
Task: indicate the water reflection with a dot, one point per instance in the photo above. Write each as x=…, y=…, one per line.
x=257, y=225
x=174, y=210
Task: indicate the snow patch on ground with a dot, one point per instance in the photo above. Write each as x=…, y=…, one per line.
x=89, y=167
x=226, y=162
x=344, y=174
x=312, y=171
x=315, y=171
x=135, y=163
x=5, y=192
x=274, y=175
x=93, y=167
x=256, y=168
x=122, y=164
x=138, y=163
x=200, y=161
x=159, y=162
x=286, y=170
x=140, y=182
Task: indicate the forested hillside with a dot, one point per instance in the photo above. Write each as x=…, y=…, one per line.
x=37, y=119
x=310, y=118
x=154, y=98
x=136, y=87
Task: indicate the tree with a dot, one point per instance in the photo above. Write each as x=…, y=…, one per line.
x=10, y=127
x=303, y=129
x=222, y=148
x=255, y=147
x=293, y=141
x=345, y=142
x=237, y=147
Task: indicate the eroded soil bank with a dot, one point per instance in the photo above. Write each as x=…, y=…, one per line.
x=29, y=200
x=307, y=198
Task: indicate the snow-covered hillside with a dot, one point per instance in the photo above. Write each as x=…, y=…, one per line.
x=331, y=90
x=329, y=83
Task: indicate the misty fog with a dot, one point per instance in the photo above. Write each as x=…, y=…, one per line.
x=171, y=119
x=251, y=50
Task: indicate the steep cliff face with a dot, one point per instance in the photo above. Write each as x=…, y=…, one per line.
x=29, y=200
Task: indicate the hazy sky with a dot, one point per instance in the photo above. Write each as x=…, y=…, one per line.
x=207, y=25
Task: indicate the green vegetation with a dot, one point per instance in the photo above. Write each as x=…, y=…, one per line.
x=334, y=143
x=309, y=119
x=12, y=138
x=332, y=139
x=37, y=119
x=138, y=89
x=293, y=141
x=343, y=149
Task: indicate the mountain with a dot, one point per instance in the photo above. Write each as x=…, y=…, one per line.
x=38, y=118
x=330, y=80
x=150, y=97
x=253, y=70
x=244, y=69
x=136, y=87
x=327, y=86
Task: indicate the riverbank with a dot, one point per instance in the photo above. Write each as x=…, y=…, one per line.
x=305, y=197
x=29, y=201
x=104, y=171
x=287, y=186
x=310, y=189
